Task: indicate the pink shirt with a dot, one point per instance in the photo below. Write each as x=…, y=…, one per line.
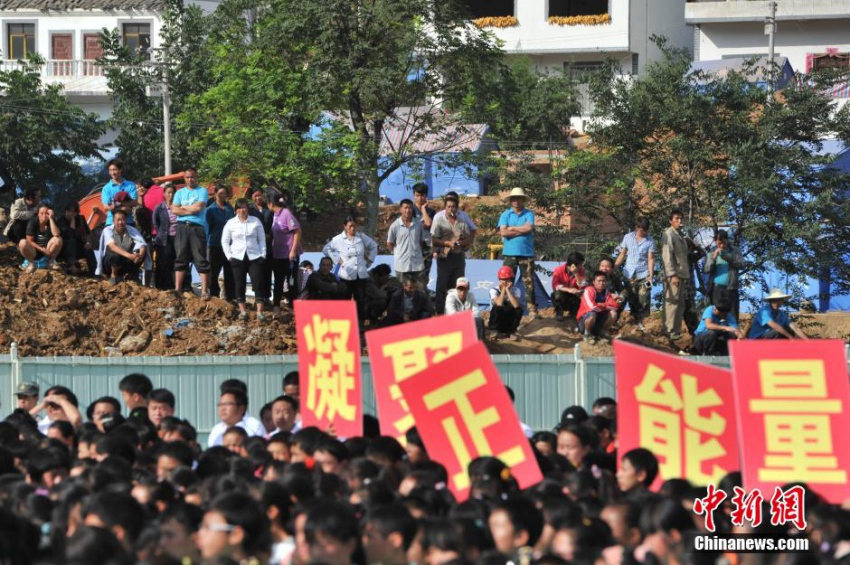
x=284, y=227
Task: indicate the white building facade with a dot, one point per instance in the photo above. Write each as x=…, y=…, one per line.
x=66, y=33
x=578, y=36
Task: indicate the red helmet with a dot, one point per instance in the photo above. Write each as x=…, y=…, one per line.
x=505, y=273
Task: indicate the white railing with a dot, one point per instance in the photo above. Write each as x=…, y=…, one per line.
x=70, y=68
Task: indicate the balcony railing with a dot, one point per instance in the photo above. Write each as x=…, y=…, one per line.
x=61, y=68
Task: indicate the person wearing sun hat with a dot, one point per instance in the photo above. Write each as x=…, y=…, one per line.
x=516, y=226
x=771, y=322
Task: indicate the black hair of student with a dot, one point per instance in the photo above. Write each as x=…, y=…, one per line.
x=585, y=434
x=386, y=447
x=112, y=473
x=116, y=445
x=391, y=518
x=642, y=223
x=349, y=220
x=183, y=477
x=335, y=448
x=573, y=415
x=239, y=397
x=65, y=428
x=575, y=258
x=7, y=461
x=272, y=493
x=308, y=439
x=599, y=274
x=676, y=489
x=721, y=235
x=60, y=390
x=299, y=481
x=404, y=201
x=445, y=535
x=285, y=398
x=382, y=270
x=644, y=460
x=722, y=304
x=214, y=461
x=229, y=385
x=8, y=432
x=412, y=437
x=163, y=396
x=332, y=519
x=524, y=516
x=363, y=469
x=666, y=515
x=241, y=510
x=291, y=378
x=136, y=383
x=280, y=437
x=729, y=481
x=180, y=451
x=676, y=212
x=117, y=163
x=545, y=437
x=46, y=459
x=72, y=207
x=187, y=515
x=95, y=545
x=601, y=423
x=111, y=400
x=20, y=421
x=420, y=188
x=31, y=193
x=266, y=409
x=236, y=430
x=117, y=509
x=604, y=401
x=607, y=259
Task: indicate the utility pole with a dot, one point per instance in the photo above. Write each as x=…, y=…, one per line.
x=166, y=121
x=770, y=30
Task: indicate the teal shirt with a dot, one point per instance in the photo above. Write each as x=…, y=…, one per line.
x=518, y=245
x=188, y=196
x=721, y=272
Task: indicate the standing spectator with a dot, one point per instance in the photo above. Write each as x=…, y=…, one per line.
x=323, y=285
x=161, y=404
x=243, y=242
x=125, y=249
x=286, y=248
x=26, y=394
x=461, y=215
x=75, y=239
x=425, y=214
x=22, y=211
x=153, y=196
x=405, y=239
x=232, y=411
x=771, y=322
x=354, y=252
x=217, y=214
x=143, y=217
x=450, y=238
x=43, y=240
x=116, y=184
x=722, y=266
x=516, y=226
x=568, y=281
x=505, y=311
x=459, y=299
x=674, y=256
x=410, y=304
x=59, y=403
x=637, y=251
x=190, y=243
x=165, y=226
x=598, y=310
x=715, y=329
x=135, y=390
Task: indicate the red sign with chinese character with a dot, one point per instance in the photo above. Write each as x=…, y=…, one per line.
x=793, y=400
x=682, y=411
x=329, y=365
x=399, y=352
x=463, y=411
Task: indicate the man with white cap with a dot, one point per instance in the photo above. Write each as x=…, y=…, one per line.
x=771, y=322
x=516, y=226
x=459, y=299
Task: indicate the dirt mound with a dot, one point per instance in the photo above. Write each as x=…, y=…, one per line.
x=52, y=313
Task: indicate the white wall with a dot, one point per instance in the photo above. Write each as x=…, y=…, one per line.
x=535, y=35
x=657, y=17
x=794, y=39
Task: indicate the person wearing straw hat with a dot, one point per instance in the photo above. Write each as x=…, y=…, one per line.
x=516, y=226
x=771, y=322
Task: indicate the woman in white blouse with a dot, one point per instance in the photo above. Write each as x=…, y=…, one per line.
x=354, y=252
x=243, y=241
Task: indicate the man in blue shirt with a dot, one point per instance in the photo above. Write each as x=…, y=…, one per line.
x=722, y=265
x=771, y=322
x=716, y=327
x=190, y=243
x=115, y=167
x=637, y=250
x=516, y=226
x=217, y=214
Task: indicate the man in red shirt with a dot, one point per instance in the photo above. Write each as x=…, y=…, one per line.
x=568, y=281
x=598, y=309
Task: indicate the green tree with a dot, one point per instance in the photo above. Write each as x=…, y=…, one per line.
x=44, y=133
x=259, y=112
x=726, y=152
x=379, y=64
x=183, y=62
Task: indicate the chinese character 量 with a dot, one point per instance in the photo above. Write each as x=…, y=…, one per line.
x=331, y=374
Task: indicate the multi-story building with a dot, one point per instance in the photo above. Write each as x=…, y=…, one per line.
x=578, y=36
x=66, y=33
x=811, y=34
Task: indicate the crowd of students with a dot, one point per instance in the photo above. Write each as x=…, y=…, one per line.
x=97, y=486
